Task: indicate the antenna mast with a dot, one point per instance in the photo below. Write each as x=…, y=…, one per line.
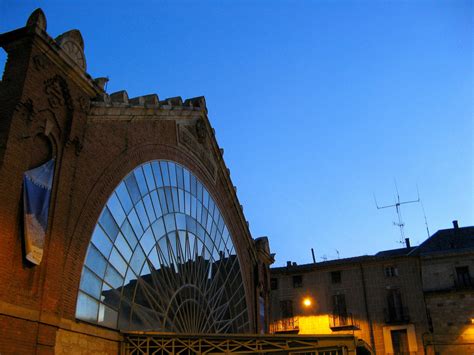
x=400, y=224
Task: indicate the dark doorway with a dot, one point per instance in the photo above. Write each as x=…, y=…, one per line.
x=400, y=342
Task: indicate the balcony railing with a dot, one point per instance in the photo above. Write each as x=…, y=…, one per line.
x=342, y=322
x=396, y=315
x=287, y=325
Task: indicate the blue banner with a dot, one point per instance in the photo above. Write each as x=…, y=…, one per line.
x=37, y=184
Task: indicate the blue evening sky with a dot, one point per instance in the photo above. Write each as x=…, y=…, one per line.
x=319, y=105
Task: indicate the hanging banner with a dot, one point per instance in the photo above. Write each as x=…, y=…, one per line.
x=37, y=185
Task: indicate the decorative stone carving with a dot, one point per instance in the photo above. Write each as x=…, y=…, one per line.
x=84, y=104
x=25, y=109
x=73, y=44
x=58, y=93
x=40, y=62
x=189, y=141
x=201, y=130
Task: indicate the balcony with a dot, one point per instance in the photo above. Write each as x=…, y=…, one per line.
x=285, y=326
x=339, y=322
x=397, y=315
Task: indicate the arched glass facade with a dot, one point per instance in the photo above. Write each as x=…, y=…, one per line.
x=161, y=258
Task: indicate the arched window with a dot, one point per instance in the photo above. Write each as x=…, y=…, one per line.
x=161, y=258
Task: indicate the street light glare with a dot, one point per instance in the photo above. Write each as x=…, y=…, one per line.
x=307, y=302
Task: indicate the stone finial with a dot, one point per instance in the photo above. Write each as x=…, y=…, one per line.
x=119, y=97
x=101, y=82
x=37, y=19
x=73, y=44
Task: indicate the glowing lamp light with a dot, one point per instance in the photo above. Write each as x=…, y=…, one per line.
x=307, y=302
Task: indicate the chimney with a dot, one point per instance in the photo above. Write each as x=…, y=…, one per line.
x=288, y=263
x=294, y=263
x=455, y=224
x=407, y=242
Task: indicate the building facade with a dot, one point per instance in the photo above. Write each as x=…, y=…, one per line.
x=415, y=300
x=117, y=213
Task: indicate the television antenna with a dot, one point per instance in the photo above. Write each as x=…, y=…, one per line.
x=400, y=224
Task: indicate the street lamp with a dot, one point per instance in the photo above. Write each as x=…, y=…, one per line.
x=307, y=302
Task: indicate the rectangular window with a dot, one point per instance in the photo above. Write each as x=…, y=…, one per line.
x=391, y=271
x=297, y=281
x=273, y=284
x=339, y=305
x=463, y=278
x=336, y=277
x=395, y=311
x=286, y=308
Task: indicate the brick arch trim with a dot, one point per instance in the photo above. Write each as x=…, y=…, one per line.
x=111, y=177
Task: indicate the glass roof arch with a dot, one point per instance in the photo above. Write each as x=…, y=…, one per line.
x=161, y=258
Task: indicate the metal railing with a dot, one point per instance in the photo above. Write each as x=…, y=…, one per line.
x=342, y=321
x=284, y=325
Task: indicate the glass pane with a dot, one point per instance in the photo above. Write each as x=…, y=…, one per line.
x=169, y=200
x=164, y=206
x=157, y=174
x=101, y=241
x=149, y=208
x=156, y=203
x=170, y=223
x=137, y=261
x=180, y=177
x=107, y=316
x=140, y=208
x=186, y=179
x=148, y=241
x=159, y=228
x=137, y=228
x=124, y=197
x=117, y=261
x=181, y=221
x=172, y=172
x=116, y=209
x=164, y=173
x=142, y=186
x=108, y=223
x=122, y=245
x=113, y=278
x=95, y=261
x=150, y=180
x=132, y=187
x=175, y=199
x=86, y=308
x=129, y=234
x=193, y=185
x=90, y=283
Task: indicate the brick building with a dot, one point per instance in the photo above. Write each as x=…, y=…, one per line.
x=144, y=230
x=416, y=300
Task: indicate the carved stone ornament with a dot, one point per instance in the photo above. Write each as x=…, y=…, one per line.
x=189, y=141
x=25, y=109
x=40, y=62
x=73, y=44
x=84, y=104
x=58, y=94
x=201, y=130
